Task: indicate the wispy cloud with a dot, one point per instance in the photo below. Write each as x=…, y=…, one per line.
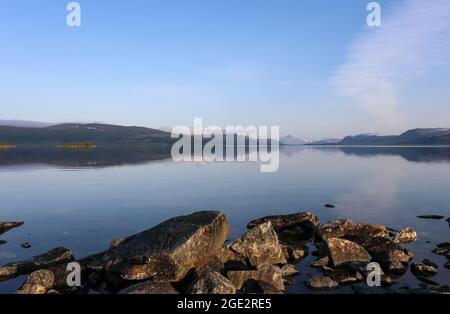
x=412, y=38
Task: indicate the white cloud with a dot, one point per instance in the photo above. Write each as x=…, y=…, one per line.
x=413, y=38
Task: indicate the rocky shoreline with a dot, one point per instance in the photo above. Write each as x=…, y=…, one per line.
x=192, y=255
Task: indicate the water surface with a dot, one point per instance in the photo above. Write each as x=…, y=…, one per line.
x=83, y=199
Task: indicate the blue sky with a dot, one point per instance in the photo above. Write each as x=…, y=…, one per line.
x=312, y=67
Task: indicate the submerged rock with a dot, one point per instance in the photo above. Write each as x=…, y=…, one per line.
x=406, y=235
x=330, y=206
x=321, y=262
x=165, y=252
x=3, y=242
x=319, y=282
x=442, y=249
x=260, y=246
x=344, y=276
x=343, y=252
x=6, y=226
x=271, y=275
x=26, y=245
x=211, y=282
x=52, y=257
x=300, y=225
x=150, y=287
x=436, y=217
x=38, y=282
x=423, y=270
x=289, y=270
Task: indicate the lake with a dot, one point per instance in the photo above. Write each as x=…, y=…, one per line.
x=84, y=199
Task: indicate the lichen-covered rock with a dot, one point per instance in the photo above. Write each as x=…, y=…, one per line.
x=211, y=282
x=6, y=226
x=343, y=252
x=150, y=287
x=406, y=235
x=346, y=229
x=297, y=225
x=294, y=253
x=38, y=282
x=289, y=270
x=52, y=257
x=271, y=275
x=321, y=262
x=423, y=270
x=260, y=246
x=167, y=251
x=318, y=282
x=385, y=251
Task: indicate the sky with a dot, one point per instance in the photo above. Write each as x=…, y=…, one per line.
x=313, y=67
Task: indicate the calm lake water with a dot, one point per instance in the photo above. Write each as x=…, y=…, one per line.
x=83, y=199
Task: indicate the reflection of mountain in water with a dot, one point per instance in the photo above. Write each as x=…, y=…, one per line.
x=98, y=157
x=413, y=154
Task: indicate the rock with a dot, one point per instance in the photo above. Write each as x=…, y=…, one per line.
x=38, y=282
x=409, y=253
x=344, y=276
x=300, y=225
x=423, y=270
x=319, y=282
x=350, y=231
x=6, y=226
x=211, y=282
x=294, y=253
x=232, y=260
x=115, y=242
x=289, y=270
x=321, y=262
x=3, y=242
x=260, y=246
x=52, y=257
x=330, y=206
x=26, y=245
x=397, y=268
x=437, y=217
x=427, y=262
x=271, y=275
x=150, y=287
x=166, y=252
x=385, y=251
x=259, y=287
x=342, y=252
x=442, y=249
x=447, y=265
x=406, y=235
x=448, y=220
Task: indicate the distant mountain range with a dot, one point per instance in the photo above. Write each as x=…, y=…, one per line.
x=411, y=137
x=76, y=132
x=16, y=132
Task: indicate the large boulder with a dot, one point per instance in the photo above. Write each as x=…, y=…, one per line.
x=38, y=282
x=52, y=257
x=298, y=225
x=387, y=253
x=150, y=287
x=260, y=246
x=343, y=252
x=6, y=226
x=211, y=282
x=348, y=230
x=166, y=252
x=271, y=275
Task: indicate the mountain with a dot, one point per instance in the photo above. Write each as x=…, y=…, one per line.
x=290, y=140
x=436, y=136
x=76, y=132
x=25, y=124
x=327, y=141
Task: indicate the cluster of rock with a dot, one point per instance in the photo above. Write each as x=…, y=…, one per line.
x=190, y=254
